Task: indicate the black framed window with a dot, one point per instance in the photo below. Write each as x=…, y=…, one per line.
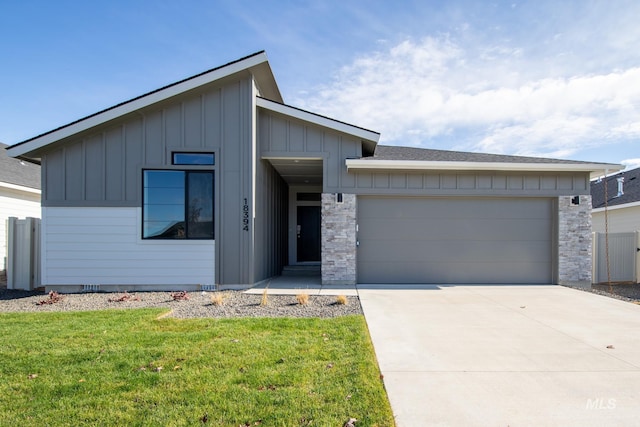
x=180, y=158
x=178, y=204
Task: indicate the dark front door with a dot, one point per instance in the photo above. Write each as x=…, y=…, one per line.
x=308, y=233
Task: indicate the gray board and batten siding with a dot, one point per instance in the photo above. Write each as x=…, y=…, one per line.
x=271, y=222
x=499, y=226
x=284, y=137
x=102, y=167
x=281, y=137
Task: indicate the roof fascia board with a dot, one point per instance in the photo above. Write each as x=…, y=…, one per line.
x=615, y=207
x=137, y=104
x=20, y=188
x=594, y=168
x=318, y=120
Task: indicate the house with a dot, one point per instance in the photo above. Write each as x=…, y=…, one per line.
x=616, y=226
x=623, y=202
x=19, y=195
x=214, y=182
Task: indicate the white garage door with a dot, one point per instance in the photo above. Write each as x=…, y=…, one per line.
x=454, y=240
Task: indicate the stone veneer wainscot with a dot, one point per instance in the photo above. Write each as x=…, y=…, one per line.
x=574, y=241
x=338, y=239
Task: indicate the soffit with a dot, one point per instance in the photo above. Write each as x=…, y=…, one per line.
x=299, y=171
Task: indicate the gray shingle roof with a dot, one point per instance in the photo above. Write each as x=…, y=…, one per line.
x=17, y=172
x=631, y=188
x=387, y=152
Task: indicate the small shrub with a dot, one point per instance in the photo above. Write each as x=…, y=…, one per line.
x=54, y=297
x=219, y=298
x=265, y=299
x=180, y=296
x=303, y=299
x=342, y=300
x=125, y=297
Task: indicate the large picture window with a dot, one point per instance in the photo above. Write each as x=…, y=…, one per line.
x=178, y=204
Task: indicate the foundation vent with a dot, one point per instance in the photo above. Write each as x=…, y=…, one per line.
x=90, y=288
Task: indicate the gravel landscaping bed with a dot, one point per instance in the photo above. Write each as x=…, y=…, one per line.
x=236, y=303
x=624, y=292
x=198, y=304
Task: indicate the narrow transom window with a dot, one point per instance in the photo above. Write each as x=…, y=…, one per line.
x=308, y=197
x=194, y=159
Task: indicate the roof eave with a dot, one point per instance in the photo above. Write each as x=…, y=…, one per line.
x=22, y=188
x=615, y=207
x=256, y=64
x=361, y=133
x=595, y=169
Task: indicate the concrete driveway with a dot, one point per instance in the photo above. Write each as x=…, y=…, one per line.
x=506, y=355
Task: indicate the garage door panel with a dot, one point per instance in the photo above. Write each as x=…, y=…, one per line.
x=405, y=208
x=452, y=229
x=473, y=251
x=448, y=273
x=454, y=240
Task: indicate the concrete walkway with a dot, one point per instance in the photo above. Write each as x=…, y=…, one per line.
x=312, y=285
x=505, y=355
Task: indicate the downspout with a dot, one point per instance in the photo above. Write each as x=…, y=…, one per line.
x=606, y=228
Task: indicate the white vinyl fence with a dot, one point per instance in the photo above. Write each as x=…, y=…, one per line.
x=23, y=253
x=623, y=257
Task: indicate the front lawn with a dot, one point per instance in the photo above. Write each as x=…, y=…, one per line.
x=127, y=367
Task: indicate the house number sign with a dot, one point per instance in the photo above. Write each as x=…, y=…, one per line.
x=245, y=215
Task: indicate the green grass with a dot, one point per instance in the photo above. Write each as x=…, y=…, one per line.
x=101, y=368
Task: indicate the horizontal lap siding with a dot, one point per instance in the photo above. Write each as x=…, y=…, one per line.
x=103, y=246
x=620, y=220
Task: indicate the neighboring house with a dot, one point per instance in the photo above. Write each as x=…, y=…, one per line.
x=214, y=182
x=623, y=202
x=19, y=195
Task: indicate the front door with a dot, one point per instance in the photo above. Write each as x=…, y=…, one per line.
x=308, y=234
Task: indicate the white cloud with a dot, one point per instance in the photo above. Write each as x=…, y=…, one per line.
x=631, y=163
x=437, y=93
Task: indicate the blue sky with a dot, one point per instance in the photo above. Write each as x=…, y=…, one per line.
x=544, y=78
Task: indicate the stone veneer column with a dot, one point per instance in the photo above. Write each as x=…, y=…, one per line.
x=338, y=239
x=574, y=241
